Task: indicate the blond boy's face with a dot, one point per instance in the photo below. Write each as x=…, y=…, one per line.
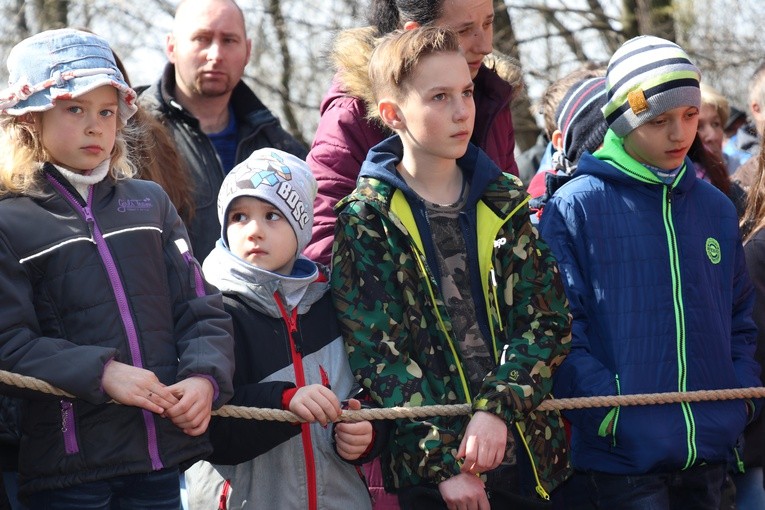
x=664, y=141
x=79, y=133
x=436, y=112
x=258, y=233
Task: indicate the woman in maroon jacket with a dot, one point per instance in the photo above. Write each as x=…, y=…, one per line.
x=345, y=133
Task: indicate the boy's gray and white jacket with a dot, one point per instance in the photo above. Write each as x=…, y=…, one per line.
x=85, y=282
x=286, y=335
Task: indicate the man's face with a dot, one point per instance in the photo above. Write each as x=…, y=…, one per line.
x=209, y=48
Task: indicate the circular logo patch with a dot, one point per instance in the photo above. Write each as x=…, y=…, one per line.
x=713, y=250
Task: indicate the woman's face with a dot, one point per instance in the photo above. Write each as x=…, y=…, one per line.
x=711, y=129
x=473, y=21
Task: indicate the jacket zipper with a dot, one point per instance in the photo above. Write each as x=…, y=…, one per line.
x=68, y=427
x=449, y=340
x=497, y=358
x=223, y=500
x=122, y=302
x=418, y=257
x=305, y=428
x=677, y=298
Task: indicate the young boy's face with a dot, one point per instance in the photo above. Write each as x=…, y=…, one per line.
x=664, y=141
x=437, y=111
x=79, y=133
x=258, y=233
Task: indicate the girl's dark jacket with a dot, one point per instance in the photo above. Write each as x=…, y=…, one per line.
x=89, y=282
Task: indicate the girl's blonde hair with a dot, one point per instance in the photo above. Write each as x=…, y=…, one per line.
x=23, y=154
x=712, y=97
x=753, y=219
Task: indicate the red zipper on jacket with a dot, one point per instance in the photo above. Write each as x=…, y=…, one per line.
x=305, y=428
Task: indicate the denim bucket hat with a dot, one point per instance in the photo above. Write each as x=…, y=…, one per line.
x=61, y=64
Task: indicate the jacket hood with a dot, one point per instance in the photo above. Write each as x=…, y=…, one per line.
x=624, y=168
x=353, y=48
x=230, y=274
x=382, y=160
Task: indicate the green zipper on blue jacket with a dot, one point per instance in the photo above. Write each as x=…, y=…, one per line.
x=486, y=236
x=613, y=153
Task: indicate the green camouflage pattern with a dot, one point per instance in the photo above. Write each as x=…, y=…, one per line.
x=398, y=332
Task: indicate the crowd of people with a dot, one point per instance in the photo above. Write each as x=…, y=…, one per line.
x=399, y=261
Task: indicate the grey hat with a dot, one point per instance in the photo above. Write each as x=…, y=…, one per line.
x=646, y=77
x=279, y=178
x=61, y=64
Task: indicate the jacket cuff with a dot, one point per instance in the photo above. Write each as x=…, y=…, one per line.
x=287, y=397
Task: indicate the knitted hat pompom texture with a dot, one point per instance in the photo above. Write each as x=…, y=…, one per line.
x=646, y=77
x=279, y=178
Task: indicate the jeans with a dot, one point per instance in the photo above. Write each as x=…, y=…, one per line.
x=750, y=494
x=158, y=490
x=11, y=484
x=697, y=488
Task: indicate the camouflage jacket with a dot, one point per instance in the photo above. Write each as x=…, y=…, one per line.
x=398, y=332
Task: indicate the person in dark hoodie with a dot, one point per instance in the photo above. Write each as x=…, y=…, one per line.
x=446, y=294
x=657, y=282
x=347, y=131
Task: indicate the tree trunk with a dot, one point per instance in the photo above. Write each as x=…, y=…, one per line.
x=654, y=17
x=51, y=13
x=282, y=36
x=526, y=129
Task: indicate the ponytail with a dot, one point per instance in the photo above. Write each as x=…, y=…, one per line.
x=389, y=15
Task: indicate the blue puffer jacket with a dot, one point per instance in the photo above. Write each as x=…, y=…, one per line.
x=662, y=302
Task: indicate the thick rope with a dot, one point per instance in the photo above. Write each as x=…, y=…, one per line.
x=393, y=413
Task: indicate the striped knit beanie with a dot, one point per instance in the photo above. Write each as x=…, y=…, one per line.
x=646, y=77
x=580, y=120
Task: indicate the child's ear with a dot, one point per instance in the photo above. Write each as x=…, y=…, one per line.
x=390, y=114
x=557, y=139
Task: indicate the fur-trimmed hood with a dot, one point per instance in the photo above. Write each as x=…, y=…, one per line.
x=353, y=48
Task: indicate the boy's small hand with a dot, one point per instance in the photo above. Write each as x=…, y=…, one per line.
x=484, y=443
x=137, y=387
x=353, y=439
x=194, y=408
x=315, y=403
x=464, y=492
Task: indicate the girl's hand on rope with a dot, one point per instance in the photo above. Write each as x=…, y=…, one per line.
x=137, y=387
x=484, y=443
x=464, y=492
x=192, y=412
x=352, y=440
x=315, y=402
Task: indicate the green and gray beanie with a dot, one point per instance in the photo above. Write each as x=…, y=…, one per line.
x=646, y=77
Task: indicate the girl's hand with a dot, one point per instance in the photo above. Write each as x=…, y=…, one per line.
x=137, y=387
x=194, y=408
